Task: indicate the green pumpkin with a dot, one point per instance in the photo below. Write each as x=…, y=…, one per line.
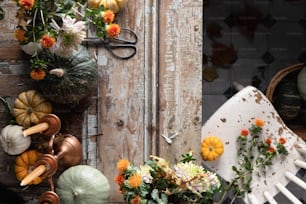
x=82, y=184
x=301, y=83
x=69, y=80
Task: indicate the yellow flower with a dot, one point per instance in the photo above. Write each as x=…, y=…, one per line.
x=122, y=165
x=162, y=163
x=135, y=181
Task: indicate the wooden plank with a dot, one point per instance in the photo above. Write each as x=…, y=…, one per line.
x=12, y=53
x=122, y=101
x=151, y=76
x=12, y=85
x=9, y=47
x=180, y=60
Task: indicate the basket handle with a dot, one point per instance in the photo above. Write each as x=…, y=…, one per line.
x=279, y=76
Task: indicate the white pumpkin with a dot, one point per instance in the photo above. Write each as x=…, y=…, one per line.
x=114, y=5
x=82, y=184
x=12, y=140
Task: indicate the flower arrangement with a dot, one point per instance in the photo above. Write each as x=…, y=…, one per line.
x=255, y=154
x=59, y=26
x=157, y=182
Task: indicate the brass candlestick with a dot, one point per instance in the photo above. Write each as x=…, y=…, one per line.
x=49, y=125
x=49, y=197
x=68, y=154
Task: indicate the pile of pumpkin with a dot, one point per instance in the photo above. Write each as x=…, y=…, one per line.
x=72, y=185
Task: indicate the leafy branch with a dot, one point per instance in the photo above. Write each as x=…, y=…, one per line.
x=252, y=154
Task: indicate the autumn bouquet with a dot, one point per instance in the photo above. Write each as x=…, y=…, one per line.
x=157, y=182
x=59, y=27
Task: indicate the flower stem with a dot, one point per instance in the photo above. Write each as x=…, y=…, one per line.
x=234, y=198
x=34, y=20
x=225, y=192
x=42, y=17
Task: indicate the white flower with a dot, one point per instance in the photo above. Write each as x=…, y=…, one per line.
x=187, y=171
x=144, y=171
x=71, y=34
x=196, y=179
x=214, y=180
x=70, y=24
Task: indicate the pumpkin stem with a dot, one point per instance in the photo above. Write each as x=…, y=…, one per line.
x=29, y=110
x=75, y=194
x=59, y=72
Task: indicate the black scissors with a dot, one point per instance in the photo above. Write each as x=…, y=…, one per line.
x=121, y=48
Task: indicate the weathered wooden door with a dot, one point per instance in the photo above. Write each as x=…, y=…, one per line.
x=157, y=92
x=139, y=101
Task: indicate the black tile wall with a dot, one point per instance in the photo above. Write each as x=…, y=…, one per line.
x=268, y=35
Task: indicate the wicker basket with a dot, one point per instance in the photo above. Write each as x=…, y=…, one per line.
x=296, y=126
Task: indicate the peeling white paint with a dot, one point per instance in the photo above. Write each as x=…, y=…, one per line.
x=102, y=60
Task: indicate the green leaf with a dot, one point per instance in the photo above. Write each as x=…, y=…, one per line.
x=187, y=157
x=8, y=111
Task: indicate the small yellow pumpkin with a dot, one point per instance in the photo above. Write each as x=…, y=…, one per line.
x=212, y=148
x=114, y=5
x=29, y=107
x=24, y=164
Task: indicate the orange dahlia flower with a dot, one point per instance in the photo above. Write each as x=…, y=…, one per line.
x=112, y=30
x=26, y=4
x=47, y=41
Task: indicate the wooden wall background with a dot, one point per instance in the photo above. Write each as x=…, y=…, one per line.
x=157, y=92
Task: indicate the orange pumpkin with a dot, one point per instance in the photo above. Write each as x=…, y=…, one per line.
x=212, y=148
x=24, y=165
